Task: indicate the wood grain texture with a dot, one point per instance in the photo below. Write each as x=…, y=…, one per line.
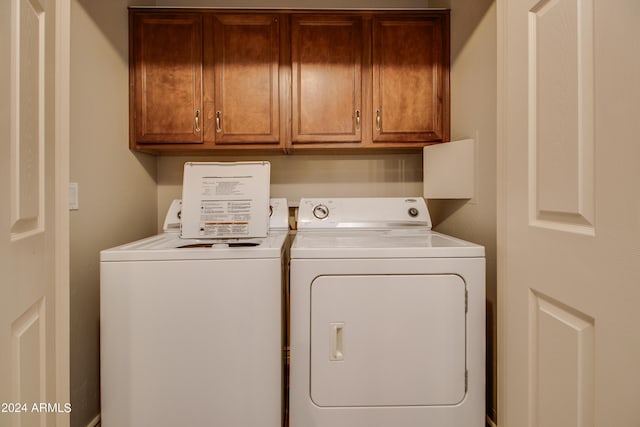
x=410, y=60
x=326, y=58
x=246, y=88
x=167, y=77
x=288, y=81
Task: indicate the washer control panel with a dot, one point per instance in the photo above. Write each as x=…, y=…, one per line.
x=363, y=213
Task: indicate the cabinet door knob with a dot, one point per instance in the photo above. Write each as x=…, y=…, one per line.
x=218, y=119
x=378, y=120
x=357, y=120
x=197, y=120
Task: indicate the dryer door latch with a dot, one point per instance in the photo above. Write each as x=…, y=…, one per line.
x=336, y=331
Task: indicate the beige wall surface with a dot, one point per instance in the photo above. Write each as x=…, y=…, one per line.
x=294, y=177
x=474, y=115
x=117, y=188
x=124, y=195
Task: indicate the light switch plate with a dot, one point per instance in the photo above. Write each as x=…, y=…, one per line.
x=73, y=196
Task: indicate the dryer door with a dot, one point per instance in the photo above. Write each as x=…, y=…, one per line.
x=388, y=340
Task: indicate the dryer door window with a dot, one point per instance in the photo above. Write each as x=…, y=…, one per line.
x=388, y=340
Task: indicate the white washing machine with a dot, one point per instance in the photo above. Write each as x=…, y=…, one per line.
x=192, y=334
x=387, y=318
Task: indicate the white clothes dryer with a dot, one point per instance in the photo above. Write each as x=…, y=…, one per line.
x=387, y=318
x=192, y=330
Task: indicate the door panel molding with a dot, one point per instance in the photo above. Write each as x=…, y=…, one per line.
x=27, y=119
x=561, y=116
x=29, y=359
x=561, y=364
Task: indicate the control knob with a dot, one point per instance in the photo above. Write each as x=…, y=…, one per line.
x=320, y=211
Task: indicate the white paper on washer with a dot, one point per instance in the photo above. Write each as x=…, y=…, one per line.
x=225, y=200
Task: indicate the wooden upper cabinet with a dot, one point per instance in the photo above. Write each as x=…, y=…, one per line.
x=411, y=78
x=241, y=81
x=326, y=78
x=166, y=57
x=234, y=80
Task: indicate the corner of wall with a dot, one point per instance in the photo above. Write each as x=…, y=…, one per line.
x=116, y=188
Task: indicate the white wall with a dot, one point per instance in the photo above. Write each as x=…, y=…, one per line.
x=117, y=188
x=474, y=115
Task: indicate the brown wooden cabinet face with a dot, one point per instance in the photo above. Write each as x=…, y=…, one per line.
x=326, y=56
x=242, y=79
x=410, y=79
x=167, y=78
x=238, y=81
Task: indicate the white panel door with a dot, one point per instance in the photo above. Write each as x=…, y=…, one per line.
x=569, y=213
x=388, y=340
x=33, y=262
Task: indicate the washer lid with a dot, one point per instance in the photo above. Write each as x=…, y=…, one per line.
x=170, y=247
x=225, y=200
x=400, y=243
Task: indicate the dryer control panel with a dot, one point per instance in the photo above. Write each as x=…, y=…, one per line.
x=378, y=213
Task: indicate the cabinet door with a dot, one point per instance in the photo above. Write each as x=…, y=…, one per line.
x=242, y=79
x=410, y=78
x=326, y=56
x=167, y=78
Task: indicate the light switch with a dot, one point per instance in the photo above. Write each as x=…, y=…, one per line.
x=73, y=196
